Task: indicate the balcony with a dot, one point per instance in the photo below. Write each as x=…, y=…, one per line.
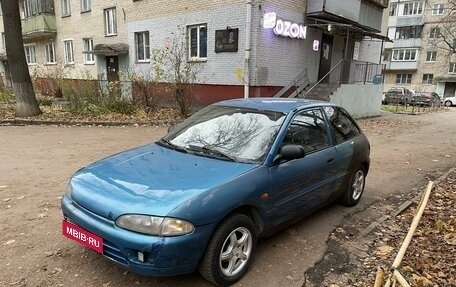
x=415, y=20
x=401, y=65
x=39, y=26
x=407, y=43
x=365, y=14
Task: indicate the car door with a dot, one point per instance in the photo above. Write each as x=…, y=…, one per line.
x=301, y=185
x=346, y=138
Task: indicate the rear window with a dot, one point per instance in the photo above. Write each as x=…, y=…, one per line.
x=395, y=91
x=342, y=125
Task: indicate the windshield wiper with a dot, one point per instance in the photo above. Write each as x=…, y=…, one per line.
x=169, y=144
x=211, y=151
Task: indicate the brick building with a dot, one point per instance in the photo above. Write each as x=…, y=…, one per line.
x=229, y=43
x=422, y=55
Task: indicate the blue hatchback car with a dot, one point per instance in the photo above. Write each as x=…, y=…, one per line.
x=200, y=197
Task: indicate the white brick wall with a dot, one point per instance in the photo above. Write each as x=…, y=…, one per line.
x=275, y=60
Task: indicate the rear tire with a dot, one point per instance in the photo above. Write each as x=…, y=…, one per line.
x=355, y=190
x=230, y=250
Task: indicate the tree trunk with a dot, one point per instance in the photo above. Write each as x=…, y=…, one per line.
x=26, y=104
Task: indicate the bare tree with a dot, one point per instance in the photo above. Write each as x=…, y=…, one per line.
x=26, y=103
x=172, y=66
x=445, y=31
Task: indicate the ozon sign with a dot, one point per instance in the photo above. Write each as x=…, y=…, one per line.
x=284, y=28
x=290, y=29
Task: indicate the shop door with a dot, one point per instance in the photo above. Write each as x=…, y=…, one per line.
x=325, y=57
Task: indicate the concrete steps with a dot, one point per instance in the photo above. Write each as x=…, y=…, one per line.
x=321, y=92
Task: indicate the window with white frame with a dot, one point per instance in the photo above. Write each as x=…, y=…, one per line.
x=435, y=32
x=393, y=9
x=403, y=78
x=30, y=54
x=49, y=53
x=197, y=42
x=110, y=21
x=437, y=9
x=413, y=8
x=405, y=55
x=66, y=8
x=88, y=51
x=431, y=56
x=142, y=46
x=85, y=5
x=68, y=51
x=427, y=79
x=408, y=32
x=452, y=68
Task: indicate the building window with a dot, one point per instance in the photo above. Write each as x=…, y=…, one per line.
x=30, y=55
x=85, y=5
x=437, y=9
x=435, y=32
x=427, y=79
x=66, y=8
x=405, y=55
x=393, y=9
x=68, y=51
x=452, y=68
x=403, y=78
x=49, y=53
x=110, y=21
x=142, y=46
x=431, y=56
x=197, y=42
x=413, y=8
x=408, y=32
x=88, y=51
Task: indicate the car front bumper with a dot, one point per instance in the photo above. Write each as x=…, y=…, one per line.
x=163, y=256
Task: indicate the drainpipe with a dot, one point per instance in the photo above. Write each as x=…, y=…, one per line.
x=248, y=28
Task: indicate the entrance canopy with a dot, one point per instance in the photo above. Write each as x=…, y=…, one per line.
x=110, y=49
x=341, y=27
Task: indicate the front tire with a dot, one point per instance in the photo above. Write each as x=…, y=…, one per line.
x=355, y=190
x=230, y=251
x=448, y=103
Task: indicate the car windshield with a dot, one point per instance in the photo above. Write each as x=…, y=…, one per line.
x=229, y=133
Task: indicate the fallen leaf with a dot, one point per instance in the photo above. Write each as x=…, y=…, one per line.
x=421, y=281
x=384, y=250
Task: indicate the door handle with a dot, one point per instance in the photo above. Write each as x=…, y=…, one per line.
x=330, y=160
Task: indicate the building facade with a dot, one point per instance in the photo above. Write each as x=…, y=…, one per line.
x=237, y=48
x=422, y=54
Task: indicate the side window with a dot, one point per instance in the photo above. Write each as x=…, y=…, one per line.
x=342, y=125
x=308, y=130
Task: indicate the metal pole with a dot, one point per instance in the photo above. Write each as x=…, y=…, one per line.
x=248, y=31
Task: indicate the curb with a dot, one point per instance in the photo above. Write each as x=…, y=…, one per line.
x=24, y=122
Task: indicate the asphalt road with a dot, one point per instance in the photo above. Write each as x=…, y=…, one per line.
x=36, y=162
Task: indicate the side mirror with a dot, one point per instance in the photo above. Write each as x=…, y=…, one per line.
x=290, y=152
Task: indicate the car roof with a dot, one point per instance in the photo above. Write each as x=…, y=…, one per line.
x=283, y=105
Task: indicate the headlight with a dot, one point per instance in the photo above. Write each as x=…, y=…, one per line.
x=154, y=225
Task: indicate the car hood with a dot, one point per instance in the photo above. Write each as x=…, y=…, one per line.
x=148, y=180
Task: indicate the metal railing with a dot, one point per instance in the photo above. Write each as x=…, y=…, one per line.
x=352, y=72
x=299, y=83
x=337, y=66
